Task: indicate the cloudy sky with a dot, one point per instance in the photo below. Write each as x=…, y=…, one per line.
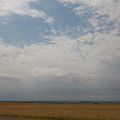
x=60, y=50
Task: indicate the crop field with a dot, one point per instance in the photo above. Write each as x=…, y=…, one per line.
x=35, y=111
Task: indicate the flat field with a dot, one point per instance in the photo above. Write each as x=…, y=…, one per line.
x=33, y=111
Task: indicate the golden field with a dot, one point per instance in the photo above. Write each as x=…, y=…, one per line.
x=61, y=111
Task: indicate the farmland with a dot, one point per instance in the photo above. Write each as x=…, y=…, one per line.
x=39, y=111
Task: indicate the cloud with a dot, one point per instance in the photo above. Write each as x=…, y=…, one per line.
x=4, y=76
x=47, y=72
x=72, y=68
x=82, y=59
x=109, y=8
x=21, y=7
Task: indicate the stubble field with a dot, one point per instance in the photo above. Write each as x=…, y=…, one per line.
x=20, y=111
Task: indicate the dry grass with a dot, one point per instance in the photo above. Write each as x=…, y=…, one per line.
x=61, y=111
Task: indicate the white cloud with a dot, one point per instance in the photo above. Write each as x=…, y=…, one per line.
x=109, y=8
x=85, y=57
x=47, y=72
x=21, y=7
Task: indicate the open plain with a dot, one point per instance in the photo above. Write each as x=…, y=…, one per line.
x=39, y=111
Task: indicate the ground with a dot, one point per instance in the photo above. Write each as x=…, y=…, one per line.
x=33, y=111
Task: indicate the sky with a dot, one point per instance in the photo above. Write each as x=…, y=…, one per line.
x=60, y=50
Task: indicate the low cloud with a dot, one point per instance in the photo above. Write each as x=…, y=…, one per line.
x=61, y=57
